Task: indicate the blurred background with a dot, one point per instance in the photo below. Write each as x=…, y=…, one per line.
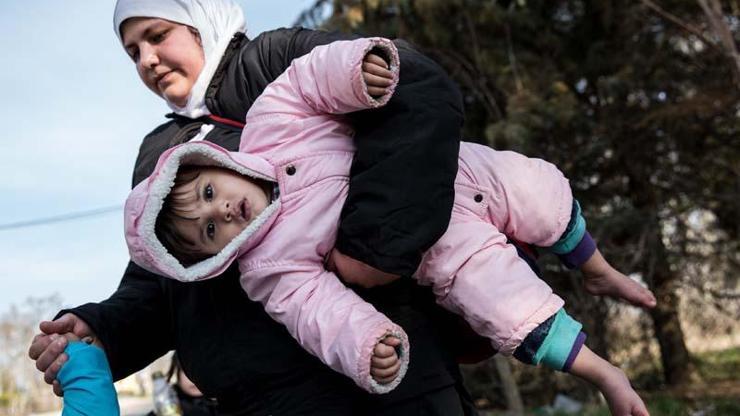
x=637, y=102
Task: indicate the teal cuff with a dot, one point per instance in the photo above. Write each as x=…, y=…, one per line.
x=558, y=343
x=87, y=382
x=573, y=234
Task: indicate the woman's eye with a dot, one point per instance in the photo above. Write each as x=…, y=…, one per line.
x=210, y=229
x=158, y=37
x=134, y=55
x=208, y=192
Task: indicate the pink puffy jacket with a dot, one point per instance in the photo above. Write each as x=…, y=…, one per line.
x=296, y=137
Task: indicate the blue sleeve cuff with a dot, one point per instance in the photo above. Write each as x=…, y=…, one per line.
x=558, y=343
x=87, y=382
x=573, y=233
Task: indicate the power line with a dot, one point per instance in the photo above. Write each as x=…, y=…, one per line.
x=61, y=218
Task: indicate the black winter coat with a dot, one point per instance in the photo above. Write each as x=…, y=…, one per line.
x=400, y=197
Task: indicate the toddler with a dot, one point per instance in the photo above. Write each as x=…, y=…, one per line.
x=274, y=207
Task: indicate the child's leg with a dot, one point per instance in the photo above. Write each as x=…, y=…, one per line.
x=531, y=201
x=600, y=278
x=87, y=382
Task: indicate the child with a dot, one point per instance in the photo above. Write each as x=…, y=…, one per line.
x=274, y=206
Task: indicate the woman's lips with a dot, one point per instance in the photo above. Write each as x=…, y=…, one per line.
x=163, y=80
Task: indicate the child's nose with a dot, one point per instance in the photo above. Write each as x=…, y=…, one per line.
x=226, y=209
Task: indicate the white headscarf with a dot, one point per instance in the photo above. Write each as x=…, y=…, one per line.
x=216, y=21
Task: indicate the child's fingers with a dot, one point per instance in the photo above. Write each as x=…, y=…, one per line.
x=640, y=409
x=383, y=351
x=373, y=80
x=383, y=363
x=376, y=91
x=391, y=341
x=379, y=70
x=374, y=59
x=385, y=373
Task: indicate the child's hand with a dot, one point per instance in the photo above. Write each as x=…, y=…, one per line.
x=376, y=74
x=611, y=381
x=622, y=399
x=385, y=364
x=356, y=272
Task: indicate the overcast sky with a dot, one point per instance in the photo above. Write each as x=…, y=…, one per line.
x=73, y=115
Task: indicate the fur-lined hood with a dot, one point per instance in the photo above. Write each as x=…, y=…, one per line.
x=145, y=202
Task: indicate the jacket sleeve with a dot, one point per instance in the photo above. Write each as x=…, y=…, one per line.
x=554, y=343
x=133, y=324
x=534, y=204
x=326, y=318
x=397, y=206
x=328, y=80
x=475, y=273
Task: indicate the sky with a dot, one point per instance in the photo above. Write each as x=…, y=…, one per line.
x=73, y=115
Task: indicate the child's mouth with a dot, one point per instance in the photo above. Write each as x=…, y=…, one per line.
x=244, y=210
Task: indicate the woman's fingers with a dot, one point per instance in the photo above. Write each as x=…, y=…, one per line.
x=51, y=353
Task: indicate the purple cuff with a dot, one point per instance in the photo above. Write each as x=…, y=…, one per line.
x=583, y=251
x=580, y=339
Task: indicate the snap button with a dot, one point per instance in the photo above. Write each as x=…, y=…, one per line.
x=478, y=198
x=290, y=170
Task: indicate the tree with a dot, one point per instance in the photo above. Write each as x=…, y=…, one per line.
x=636, y=102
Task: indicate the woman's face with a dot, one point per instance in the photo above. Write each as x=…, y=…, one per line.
x=168, y=56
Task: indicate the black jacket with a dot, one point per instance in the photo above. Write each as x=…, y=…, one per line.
x=227, y=344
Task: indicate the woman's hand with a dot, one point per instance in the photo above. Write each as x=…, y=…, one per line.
x=376, y=74
x=355, y=272
x=385, y=363
x=47, y=348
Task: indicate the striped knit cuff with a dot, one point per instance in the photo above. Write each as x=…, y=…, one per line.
x=580, y=340
x=558, y=344
x=583, y=251
x=573, y=233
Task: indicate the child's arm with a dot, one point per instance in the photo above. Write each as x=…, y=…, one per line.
x=611, y=381
x=331, y=79
x=328, y=320
x=86, y=381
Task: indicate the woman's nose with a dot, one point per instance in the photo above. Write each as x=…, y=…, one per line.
x=148, y=57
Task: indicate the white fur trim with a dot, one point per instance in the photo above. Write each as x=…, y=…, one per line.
x=404, y=356
x=161, y=187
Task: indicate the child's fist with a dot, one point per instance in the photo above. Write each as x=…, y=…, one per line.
x=376, y=74
x=385, y=363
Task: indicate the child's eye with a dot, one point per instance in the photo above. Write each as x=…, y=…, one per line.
x=210, y=229
x=208, y=192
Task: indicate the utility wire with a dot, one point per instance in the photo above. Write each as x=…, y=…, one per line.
x=61, y=218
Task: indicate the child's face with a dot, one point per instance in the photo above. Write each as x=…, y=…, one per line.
x=223, y=204
x=168, y=56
